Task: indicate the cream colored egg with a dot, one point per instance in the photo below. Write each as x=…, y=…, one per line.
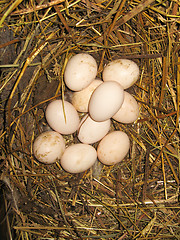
x=78, y=158
x=123, y=71
x=80, y=71
x=80, y=99
x=113, y=148
x=105, y=101
x=62, y=117
x=48, y=147
x=129, y=111
x=91, y=131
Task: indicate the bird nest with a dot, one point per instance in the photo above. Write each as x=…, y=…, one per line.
x=135, y=199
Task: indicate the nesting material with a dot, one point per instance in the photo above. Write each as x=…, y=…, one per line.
x=137, y=198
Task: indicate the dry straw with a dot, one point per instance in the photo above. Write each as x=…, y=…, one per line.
x=135, y=199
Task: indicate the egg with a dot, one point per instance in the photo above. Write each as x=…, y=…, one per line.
x=123, y=71
x=62, y=117
x=113, y=148
x=105, y=101
x=129, y=111
x=91, y=131
x=48, y=147
x=80, y=71
x=80, y=99
x=78, y=158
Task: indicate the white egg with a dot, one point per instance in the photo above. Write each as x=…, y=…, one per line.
x=113, y=148
x=78, y=158
x=62, y=117
x=80, y=71
x=48, y=147
x=105, y=101
x=91, y=131
x=80, y=99
x=123, y=71
x=129, y=111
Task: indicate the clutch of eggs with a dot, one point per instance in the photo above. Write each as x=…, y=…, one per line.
x=101, y=100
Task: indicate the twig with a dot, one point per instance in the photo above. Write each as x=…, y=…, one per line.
x=37, y=8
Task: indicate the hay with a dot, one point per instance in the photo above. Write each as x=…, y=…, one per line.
x=135, y=199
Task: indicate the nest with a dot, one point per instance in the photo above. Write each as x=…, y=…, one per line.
x=135, y=199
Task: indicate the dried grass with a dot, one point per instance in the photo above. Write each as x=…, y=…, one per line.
x=136, y=199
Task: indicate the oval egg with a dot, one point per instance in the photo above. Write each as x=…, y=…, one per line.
x=105, y=101
x=48, y=147
x=91, y=131
x=123, y=71
x=80, y=71
x=113, y=148
x=62, y=117
x=78, y=158
x=129, y=111
x=80, y=99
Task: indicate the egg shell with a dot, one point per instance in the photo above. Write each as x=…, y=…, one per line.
x=80, y=71
x=78, y=158
x=129, y=111
x=113, y=148
x=48, y=147
x=63, y=120
x=80, y=99
x=123, y=71
x=105, y=101
x=91, y=131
